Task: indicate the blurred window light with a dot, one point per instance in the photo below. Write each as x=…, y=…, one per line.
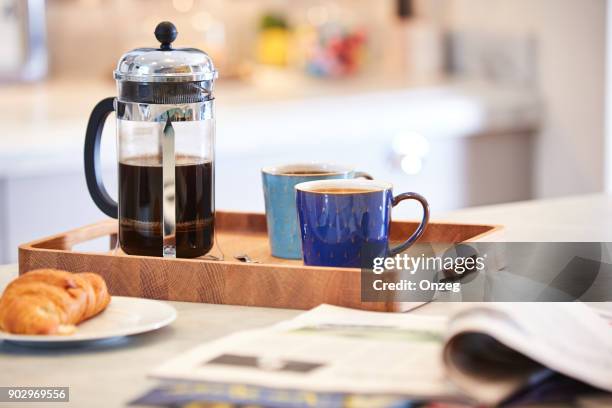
x=317, y=15
x=201, y=21
x=411, y=165
x=411, y=143
x=182, y=5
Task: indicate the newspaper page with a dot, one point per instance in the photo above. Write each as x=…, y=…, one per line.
x=328, y=349
x=569, y=338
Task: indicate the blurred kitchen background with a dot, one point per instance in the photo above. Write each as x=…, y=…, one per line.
x=469, y=102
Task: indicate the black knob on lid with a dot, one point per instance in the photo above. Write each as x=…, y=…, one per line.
x=166, y=33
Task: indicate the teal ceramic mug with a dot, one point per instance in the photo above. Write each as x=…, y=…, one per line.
x=279, y=195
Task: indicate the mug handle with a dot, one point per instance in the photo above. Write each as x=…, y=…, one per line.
x=363, y=174
x=93, y=167
x=421, y=228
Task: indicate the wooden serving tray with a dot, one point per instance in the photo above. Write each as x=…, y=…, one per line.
x=273, y=282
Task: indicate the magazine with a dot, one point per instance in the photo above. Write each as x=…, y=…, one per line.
x=483, y=353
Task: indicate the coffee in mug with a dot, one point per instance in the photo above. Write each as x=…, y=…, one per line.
x=345, y=223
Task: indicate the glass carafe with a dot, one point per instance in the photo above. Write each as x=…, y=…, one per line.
x=165, y=148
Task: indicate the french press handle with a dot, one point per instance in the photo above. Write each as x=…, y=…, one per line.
x=93, y=166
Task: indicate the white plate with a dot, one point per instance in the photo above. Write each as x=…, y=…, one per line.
x=124, y=316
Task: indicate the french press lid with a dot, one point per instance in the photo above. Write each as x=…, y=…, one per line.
x=165, y=75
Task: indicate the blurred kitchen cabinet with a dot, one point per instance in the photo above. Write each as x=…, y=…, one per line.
x=456, y=173
x=33, y=207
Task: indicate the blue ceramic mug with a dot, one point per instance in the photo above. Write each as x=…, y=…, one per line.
x=279, y=195
x=345, y=223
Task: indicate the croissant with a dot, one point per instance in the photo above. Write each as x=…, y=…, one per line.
x=50, y=301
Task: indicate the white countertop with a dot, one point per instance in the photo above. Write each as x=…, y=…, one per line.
x=584, y=218
x=108, y=375
x=44, y=124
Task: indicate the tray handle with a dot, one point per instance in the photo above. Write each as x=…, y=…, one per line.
x=67, y=240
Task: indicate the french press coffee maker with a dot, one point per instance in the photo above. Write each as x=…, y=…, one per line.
x=165, y=148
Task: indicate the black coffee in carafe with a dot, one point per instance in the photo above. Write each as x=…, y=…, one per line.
x=141, y=203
